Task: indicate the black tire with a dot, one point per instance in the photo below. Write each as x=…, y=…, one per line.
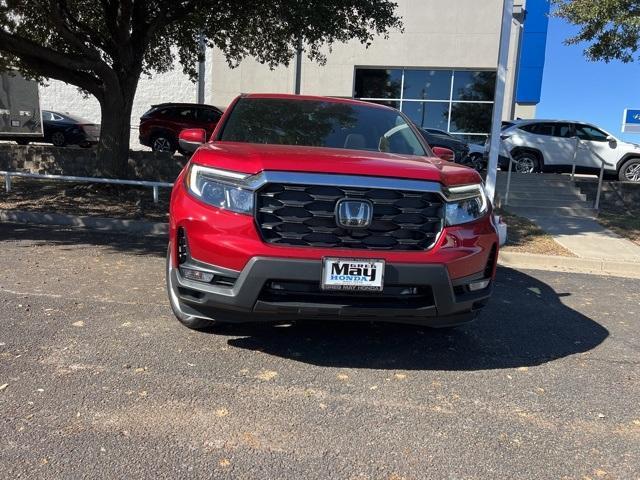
x=164, y=142
x=476, y=162
x=630, y=171
x=189, y=321
x=58, y=139
x=526, y=162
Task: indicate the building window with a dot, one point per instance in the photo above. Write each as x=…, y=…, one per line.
x=428, y=114
x=458, y=101
x=378, y=83
x=426, y=85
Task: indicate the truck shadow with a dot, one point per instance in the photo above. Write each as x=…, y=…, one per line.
x=525, y=324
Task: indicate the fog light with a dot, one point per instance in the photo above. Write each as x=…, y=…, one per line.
x=197, y=275
x=481, y=285
x=182, y=249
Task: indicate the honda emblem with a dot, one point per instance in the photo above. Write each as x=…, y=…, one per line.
x=354, y=213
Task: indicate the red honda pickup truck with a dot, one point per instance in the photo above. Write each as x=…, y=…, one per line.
x=303, y=207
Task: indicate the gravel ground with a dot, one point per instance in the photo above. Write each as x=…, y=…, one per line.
x=98, y=380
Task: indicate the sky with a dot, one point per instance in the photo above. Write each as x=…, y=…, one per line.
x=574, y=88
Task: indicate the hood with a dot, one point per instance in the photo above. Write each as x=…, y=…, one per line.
x=255, y=158
x=635, y=146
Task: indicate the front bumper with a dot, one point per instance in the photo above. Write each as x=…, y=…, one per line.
x=81, y=138
x=247, y=296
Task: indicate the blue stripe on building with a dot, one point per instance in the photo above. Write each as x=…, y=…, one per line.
x=532, y=54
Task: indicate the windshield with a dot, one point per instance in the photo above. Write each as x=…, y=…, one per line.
x=316, y=123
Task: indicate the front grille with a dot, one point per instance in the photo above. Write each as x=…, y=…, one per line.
x=304, y=215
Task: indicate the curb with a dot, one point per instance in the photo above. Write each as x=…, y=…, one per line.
x=139, y=227
x=593, y=266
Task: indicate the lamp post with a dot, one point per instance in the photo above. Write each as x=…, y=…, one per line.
x=201, y=68
x=498, y=104
x=298, y=67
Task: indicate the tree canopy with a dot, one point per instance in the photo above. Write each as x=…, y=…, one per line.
x=104, y=46
x=611, y=27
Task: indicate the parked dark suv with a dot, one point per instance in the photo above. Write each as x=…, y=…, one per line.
x=440, y=138
x=160, y=126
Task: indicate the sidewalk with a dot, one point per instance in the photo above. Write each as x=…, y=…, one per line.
x=586, y=238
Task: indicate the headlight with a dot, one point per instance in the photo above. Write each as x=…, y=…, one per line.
x=465, y=204
x=220, y=188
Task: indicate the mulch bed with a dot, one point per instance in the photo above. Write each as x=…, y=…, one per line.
x=626, y=224
x=98, y=200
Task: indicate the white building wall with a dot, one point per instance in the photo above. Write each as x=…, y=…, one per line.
x=173, y=86
x=251, y=76
x=464, y=34
x=437, y=34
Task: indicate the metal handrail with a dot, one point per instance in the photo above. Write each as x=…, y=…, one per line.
x=68, y=178
x=511, y=162
x=579, y=143
x=506, y=194
x=575, y=156
x=603, y=162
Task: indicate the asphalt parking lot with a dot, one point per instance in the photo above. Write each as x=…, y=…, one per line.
x=99, y=381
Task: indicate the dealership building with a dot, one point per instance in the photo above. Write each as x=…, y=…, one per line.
x=440, y=71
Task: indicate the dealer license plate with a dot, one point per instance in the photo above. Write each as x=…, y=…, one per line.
x=352, y=274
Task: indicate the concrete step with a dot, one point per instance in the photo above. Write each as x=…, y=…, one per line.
x=543, y=176
x=534, y=183
x=538, y=188
x=552, y=196
x=543, y=193
x=547, y=203
x=552, y=211
x=515, y=177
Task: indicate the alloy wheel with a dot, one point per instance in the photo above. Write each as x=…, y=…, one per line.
x=525, y=165
x=161, y=144
x=632, y=172
x=58, y=139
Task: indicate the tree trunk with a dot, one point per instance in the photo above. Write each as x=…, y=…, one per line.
x=115, y=130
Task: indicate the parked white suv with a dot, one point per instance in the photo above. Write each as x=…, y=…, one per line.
x=538, y=145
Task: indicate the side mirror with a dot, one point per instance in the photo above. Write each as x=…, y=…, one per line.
x=444, y=153
x=611, y=139
x=191, y=138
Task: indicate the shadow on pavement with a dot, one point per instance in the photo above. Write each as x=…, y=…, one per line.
x=61, y=236
x=525, y=324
